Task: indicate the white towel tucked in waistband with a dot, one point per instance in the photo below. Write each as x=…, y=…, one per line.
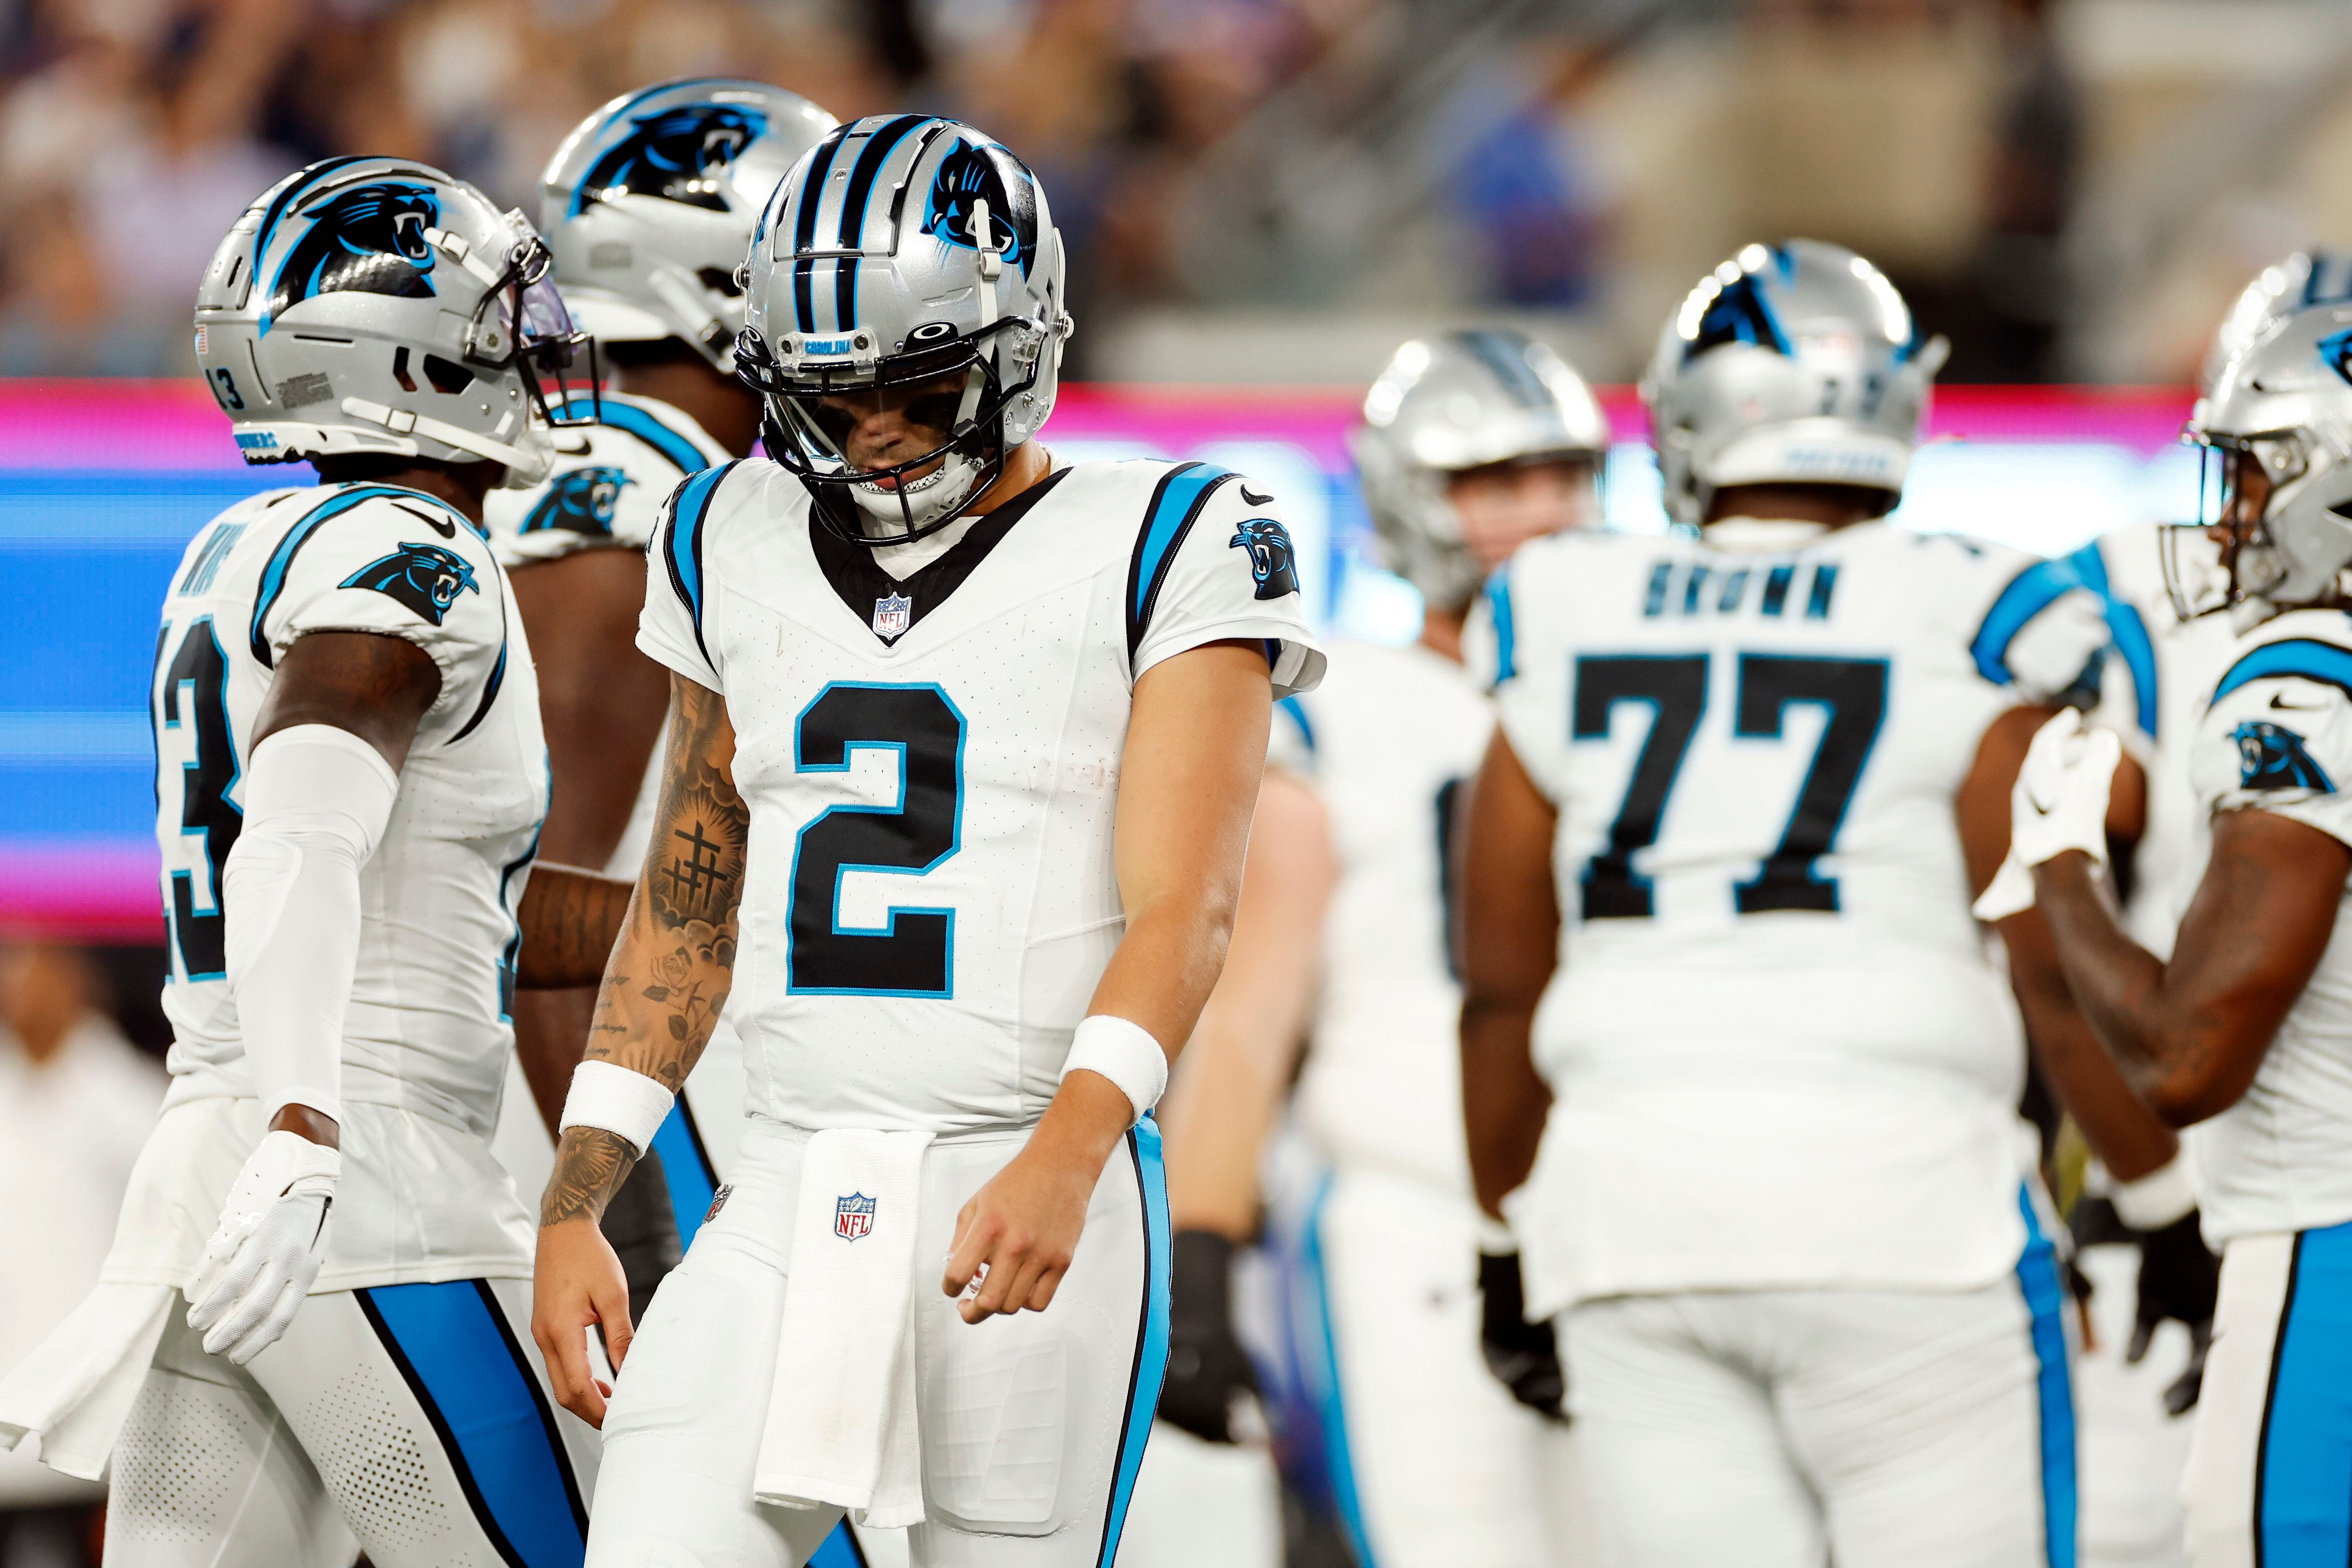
x=75, y=1391
x=841, y=1416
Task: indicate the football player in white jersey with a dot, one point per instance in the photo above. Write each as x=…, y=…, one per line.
x=965, y=749
x=2242, y=1028
x=1719, y=962
x=1473, y=443
x=309, y=1325
x=648, y=207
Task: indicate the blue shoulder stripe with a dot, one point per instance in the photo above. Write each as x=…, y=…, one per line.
x=489, y=691
x=2304, y=657
x=854, y=198
x=273, y=575
x=2029, y=594
x=1183, y=491
x=676, y=450
x=2128, y=633
x=1506, y=642
x=682, y=549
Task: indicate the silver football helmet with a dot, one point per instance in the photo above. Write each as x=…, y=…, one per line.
x=650, y=203
x=904, y=248
x=2301, y=280
x=2281, y=406
x=1789, y=364
x=378, y=305
x=1455, y=401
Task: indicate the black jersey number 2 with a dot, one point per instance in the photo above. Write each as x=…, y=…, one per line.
x=912, y=953
x=1852, y=692
x=192, y=695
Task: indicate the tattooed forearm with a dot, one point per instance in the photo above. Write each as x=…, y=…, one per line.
x=570, y=921
x=669, y=974
x=590, y=1165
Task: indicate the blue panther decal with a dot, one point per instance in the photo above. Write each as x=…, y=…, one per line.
x=2335, y=353
x=2272, y=756
x=370, y=239
x=579, y=500
x=671, y=154
x=970, y=174
x=1271, y=560
x=425, y=577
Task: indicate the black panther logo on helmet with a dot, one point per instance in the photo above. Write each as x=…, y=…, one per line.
x=369, y=239
x=425, y=577
x=580, y=501
x=1271, y=561
x=2272, y=756
x=970, y=174
x=668, y=154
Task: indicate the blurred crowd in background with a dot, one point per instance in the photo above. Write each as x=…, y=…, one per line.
x=1277, y=190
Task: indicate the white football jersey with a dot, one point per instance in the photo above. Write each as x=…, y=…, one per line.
x=1390, y=740
x=428, y=1028
x=2278, y=738
x=1781, y=1053
x=608, y=483
x=931, y=764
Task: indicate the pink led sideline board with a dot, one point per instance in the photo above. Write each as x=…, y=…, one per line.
x=102, y=888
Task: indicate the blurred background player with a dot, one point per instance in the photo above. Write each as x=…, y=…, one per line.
x=2240, y=1028
x=348, y=789
x=1781, y=1201
x=647, y=208
x=1472, y=443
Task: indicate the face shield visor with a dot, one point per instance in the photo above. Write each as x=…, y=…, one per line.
x=521, y=323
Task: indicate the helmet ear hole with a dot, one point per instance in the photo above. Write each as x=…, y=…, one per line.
x=446, y=378
x=400, y=369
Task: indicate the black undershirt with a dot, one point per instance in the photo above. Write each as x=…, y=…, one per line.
x=861, y=582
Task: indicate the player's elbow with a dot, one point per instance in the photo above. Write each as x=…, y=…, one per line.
x=2201, y=1078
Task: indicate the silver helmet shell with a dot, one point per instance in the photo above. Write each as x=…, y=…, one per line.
x=2284, y=400
x=904, y=248
x=1790, y=363
x=376, y=305
x=650, y=203
x=2296, y=281
x=1454, y=401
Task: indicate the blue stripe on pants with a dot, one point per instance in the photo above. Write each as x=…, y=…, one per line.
x=1331, y=1415
x=2045, y=1300
x=1151, y=1332
x=452, y=1344
x=2302, y=1479
x=686, y=1171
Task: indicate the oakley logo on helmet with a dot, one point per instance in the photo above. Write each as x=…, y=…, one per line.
x=580, y=501
x=1271, y=562
x=368, y=240
x=425, y=577
x=969, y=176
x=672, y=154
x=2272, y=756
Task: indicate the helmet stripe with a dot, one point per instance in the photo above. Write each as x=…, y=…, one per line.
x=877, y=150
x=811, y=193
x=1518, y=378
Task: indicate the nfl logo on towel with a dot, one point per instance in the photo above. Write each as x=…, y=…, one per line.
x=892, y=615
x=853, y=1217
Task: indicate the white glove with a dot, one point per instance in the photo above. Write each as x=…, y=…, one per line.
x=2059, y=803
x=271, y=1240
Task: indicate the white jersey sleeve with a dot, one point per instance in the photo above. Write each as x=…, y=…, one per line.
x=608, y=485
x=678, y=592
x=396, y=564
x=2278, y=736
x=2045, y=632
x=1214, y=562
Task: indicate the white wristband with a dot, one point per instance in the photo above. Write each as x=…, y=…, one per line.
x=1124, y=1053
x=2158, y=1198
x=618, y=1100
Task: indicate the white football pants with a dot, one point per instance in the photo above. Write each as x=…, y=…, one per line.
x=413, y=1414
x=1032, y=1427
x=1789, y=1429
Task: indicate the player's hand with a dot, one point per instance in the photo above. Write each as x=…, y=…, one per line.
x=1207, y=1368
x=272, y=1238
x=576, y=1285
x=2180, y=1280
x=2059, y=803
x=1525, y=1356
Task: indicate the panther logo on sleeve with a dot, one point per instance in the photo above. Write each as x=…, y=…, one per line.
x=2272, y=756
x=369, y=240
x=1269, y=544
x=579, y=500
x=425, y=577
x=673, y=154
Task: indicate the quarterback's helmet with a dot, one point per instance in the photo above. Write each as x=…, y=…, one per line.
x=2282, y=404
x=2304, y=278
x=904, y=248
x=650, y=203
x=1455, y=401
x=1789, y=364
x=378, y=305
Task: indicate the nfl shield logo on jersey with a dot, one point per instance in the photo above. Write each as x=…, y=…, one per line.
x=853, y=1217
x=893, y=615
